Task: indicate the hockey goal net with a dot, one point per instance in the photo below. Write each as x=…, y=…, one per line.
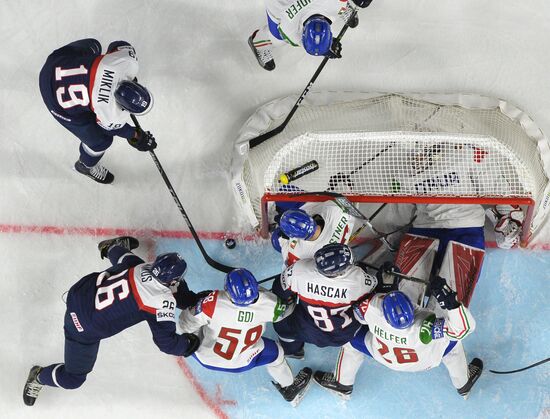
x=398, y=148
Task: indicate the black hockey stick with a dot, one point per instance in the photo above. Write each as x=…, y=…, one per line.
x=522, y=369
x=400, y=275
x=277, y=130
x=346, y=177
x=215, y=264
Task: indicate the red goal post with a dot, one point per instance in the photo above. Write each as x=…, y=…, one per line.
x=395, y=148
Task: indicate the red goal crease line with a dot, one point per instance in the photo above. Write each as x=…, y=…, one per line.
x=115, y=231
x=167, y=234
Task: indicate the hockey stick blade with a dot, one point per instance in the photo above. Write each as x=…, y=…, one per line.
x=536, y=364
x=254, y=142
x=213, y=263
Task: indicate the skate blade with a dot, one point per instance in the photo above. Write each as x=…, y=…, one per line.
x=344, y=397
x=301, y=395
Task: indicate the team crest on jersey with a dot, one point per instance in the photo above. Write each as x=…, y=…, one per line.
x=293, y=244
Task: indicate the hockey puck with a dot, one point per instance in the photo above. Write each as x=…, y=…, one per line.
x=230, y=243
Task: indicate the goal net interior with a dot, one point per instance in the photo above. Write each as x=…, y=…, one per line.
x=398, y=148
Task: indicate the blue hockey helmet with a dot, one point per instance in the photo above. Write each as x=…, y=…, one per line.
x=398, y=310
x=297, y=224
x=242, y=287
x=133, y=97
x=333, y=259
x=168, y=267
x=317, y=36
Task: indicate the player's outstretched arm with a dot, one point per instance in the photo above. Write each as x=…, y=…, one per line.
x=168, y=341
x=459, y=322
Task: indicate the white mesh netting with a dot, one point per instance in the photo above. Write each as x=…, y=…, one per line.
x=392, y=144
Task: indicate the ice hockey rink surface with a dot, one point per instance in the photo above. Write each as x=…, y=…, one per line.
x=195, y=59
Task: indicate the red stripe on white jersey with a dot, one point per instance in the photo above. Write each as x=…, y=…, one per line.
x=93, y=72
x=136, y=295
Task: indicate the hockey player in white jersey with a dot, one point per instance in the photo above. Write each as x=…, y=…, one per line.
x=230, y=325
x=305, y=23
x=326, y=287
x=303, y=231
x=407, y=338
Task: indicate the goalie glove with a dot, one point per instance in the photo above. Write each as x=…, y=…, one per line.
x=444, y=295
x=508, y=223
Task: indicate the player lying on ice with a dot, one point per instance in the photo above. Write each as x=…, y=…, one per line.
x=305, y=23
x=302, y=231
x=103, y=304
x=405, y=337
x=230, y=324
x=92, y=95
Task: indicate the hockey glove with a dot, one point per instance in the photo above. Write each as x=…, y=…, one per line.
x=335, y=50
x=508, y=222
x=193, y=344
x=362, y=3
x=143, y=140
x=386, y=280
x=444, y=295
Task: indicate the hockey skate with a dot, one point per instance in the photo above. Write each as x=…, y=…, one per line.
x=127, y=242
x=98, y=173
x=262, y=49
x=32, y=386
x=328, y=381
x=295, y=392
x=475, y=369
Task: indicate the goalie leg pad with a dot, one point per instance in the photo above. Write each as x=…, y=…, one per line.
x=415, y=257
x=461, y=268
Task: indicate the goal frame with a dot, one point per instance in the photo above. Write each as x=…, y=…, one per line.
x=268, y=116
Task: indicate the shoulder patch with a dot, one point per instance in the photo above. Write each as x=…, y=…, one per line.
x=208, y=304
x=285, y=277
x=362, y=308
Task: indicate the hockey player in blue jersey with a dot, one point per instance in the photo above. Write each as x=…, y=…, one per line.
x=92, y=95
x=325, y=287
x=103, y=304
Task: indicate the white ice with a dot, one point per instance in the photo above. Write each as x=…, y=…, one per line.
x=194, y=57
